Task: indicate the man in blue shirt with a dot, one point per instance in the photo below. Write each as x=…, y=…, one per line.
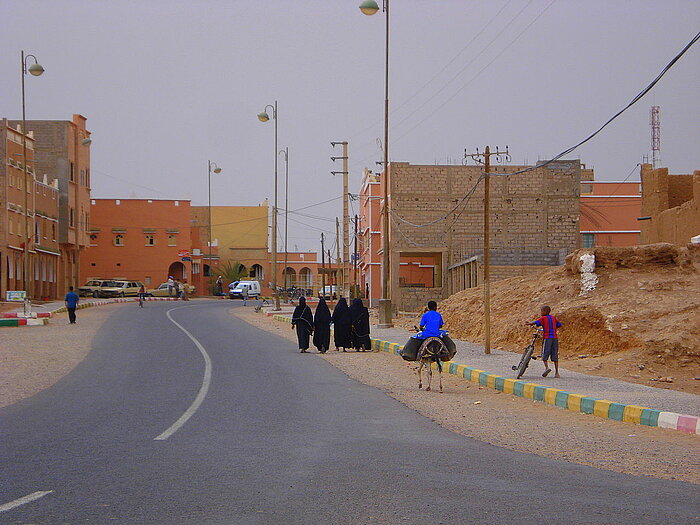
x=431, y=322
x=72, y=301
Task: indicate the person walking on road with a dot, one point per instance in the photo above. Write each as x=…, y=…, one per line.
x=244, y=295
x=322, y=327
x=550, y=342
x=360, y=326
x=219, y=286
x=303, y=322
x=72, y=299
x=177, y=289
x=171, y=285
x=342, y=325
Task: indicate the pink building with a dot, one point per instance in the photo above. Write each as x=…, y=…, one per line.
x=369, y=234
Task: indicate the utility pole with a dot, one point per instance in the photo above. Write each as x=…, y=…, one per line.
x=354, y=262
x=346, y=217
x=330, y=279
x=323, y=268
x=485, y=159
x=339, y=270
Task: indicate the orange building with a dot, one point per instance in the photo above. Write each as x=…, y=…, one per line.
x=142, y=239
x=41, y=216
x=369, y=233
x=609, y=212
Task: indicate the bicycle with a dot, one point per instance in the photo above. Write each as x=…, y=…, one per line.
x=527, y=355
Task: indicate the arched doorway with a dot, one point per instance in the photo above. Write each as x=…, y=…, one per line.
x=178, y=271
x=257, y=273
x=289, y=277
x=305, y=278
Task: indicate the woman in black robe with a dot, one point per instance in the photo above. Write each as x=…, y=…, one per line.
x=360, y=326
x=342, y=325
x=322, y=326
x=303, y=321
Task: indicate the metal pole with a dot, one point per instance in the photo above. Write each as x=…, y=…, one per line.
x=385, y=312
x=274, y=225
x=27, y=235
x=340, y=269
x=209, y=228
x=487, y=253
x=286, y=220
x=354, y=263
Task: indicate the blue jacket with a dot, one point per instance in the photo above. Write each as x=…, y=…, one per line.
x=431, y=322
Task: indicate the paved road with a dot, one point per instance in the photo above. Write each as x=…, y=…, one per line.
x=281, y=437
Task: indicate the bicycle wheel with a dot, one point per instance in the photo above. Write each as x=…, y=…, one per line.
x=525, y=361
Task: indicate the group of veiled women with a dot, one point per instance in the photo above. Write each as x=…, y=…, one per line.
x=350, y=325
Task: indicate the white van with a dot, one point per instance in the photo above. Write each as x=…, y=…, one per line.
x=253, y=288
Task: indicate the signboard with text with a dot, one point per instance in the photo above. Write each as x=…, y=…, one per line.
x=183, y=253
x=15, y=295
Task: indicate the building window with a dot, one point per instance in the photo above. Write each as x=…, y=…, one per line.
x=172, y=240
x=53, y=231
x=587, y=240
x=72, y=172
x=11, y=226
x=257, y=273
x=195, y=268
x=71, y=217
x=150, y=240
x=119, y=240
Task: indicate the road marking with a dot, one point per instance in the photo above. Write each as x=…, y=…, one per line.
x=202, y=390
x=26, y=499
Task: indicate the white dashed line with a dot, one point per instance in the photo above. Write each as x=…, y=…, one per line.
x=26, y=499
x=202, y=390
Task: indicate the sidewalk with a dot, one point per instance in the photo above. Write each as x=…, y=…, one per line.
x=604, y=397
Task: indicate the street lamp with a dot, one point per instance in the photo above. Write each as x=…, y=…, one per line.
x=212, y=166
x=285, y=152
x=370, y=7
x=36, y=70
x=264, y=117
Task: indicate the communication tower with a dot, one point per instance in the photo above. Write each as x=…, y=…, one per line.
x=655, y=122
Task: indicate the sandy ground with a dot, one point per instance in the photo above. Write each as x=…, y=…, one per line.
x=516, y=423
x=34, y=358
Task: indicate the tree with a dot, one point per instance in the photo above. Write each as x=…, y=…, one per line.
x=231, y=271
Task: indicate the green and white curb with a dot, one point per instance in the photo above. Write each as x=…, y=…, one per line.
x=650, y=417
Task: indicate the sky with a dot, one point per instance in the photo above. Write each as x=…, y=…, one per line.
x=168, y=85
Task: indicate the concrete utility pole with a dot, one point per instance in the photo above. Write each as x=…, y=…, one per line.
x=323, y=268
x=346, y=216
x=340, y=270
x=486, y=156
x=354, y=262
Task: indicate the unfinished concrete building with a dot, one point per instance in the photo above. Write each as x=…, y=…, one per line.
x=436, y=230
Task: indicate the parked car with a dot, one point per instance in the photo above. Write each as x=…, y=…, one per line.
x=122, y=289
x=162, y=290
x=253, y=288
x=93, y=288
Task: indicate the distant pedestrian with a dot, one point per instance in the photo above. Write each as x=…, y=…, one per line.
x=367, y=292
x=322, y=327
x=342, y=325
x=176, y=285
x=71, y=301
x=550, y=342
x=171, y=285
x=303, y=322
x=244, y=295
x=360, y=326
x=219, y=286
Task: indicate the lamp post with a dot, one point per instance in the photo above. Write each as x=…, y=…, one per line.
x=212, y=167
x=370, y=7
x=285, y=151
x=36, y=70
x=264, y=117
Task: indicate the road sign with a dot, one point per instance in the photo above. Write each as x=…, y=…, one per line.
x=186, y=259
x=183, y=253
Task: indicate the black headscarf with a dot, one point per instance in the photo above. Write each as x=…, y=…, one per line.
x=323, y=314
x=357, y=309
x=341, y=313
x=302, y=315
x=360, y=316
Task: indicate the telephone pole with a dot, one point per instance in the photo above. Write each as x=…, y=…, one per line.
x=346, y=216
x=354, y=262
x=323, y=268
x=340, y=274
x=485, y=159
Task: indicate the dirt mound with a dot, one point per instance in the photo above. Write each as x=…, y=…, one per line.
x=641, y=323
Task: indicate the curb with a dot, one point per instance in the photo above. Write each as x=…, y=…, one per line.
x=650, y=417
x=15, y=315
x=22, y=321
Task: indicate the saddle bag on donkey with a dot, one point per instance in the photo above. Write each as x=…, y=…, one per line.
x=411, y=348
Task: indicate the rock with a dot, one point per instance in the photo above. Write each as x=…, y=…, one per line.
x=641, y=367
x=636, y=376
x=583, y=356
x=598, y=366
x=477, y=402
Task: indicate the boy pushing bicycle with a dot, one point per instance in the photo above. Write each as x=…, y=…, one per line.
x=550, y=342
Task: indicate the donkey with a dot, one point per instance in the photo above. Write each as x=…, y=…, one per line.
x=433, y=350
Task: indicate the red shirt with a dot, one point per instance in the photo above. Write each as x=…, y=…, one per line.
x=549, y=325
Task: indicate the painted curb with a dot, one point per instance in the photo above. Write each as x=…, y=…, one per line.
x=34, y=315
x=650, y=417
x=21, y=321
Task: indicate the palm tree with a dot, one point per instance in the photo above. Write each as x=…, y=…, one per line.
x=230, y=271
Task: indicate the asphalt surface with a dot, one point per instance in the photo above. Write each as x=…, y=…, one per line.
x=280, y=437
